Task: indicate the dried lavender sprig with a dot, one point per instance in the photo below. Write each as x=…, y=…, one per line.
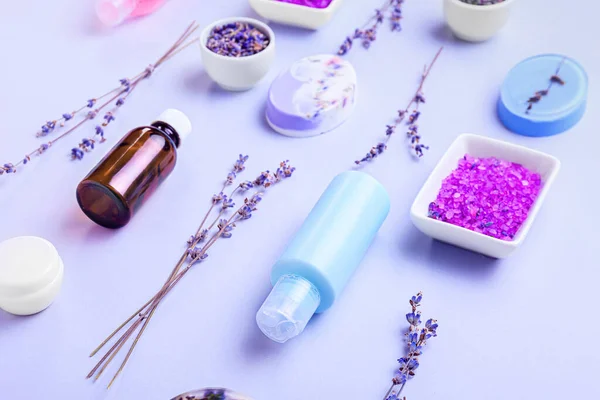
x=537, y=97
x=412, y=133
x=192, y=255
x=119, y=94
x=200, y=235
x=416, y=339
x=390, y=8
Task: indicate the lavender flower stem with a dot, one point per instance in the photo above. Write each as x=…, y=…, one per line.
x=416, y=98
x=401, y=388
x=165, y=285
x=192, y=255
x=140, y=310
x=157, y=299
x=114, y=350
x=386, y=5
x=117, y=346
x=389, y=391
x=424, y=76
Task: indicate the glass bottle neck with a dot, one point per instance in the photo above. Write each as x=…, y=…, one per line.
x=167, y=130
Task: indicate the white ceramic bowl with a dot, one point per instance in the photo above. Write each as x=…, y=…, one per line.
x=480, y=146
x=476, y=23
x=237, y=73
x=294, y=14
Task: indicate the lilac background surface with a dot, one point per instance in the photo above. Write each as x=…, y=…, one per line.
x=521, y=328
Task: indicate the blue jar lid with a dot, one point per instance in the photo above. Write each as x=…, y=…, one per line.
x=543, y=95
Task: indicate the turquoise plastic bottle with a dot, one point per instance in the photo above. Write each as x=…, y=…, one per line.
x=324, y=254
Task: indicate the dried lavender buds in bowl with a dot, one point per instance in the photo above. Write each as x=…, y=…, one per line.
x=237, y=39
x=237, y=52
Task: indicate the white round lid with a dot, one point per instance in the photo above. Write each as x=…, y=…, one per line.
x=178, y=120
x=27, y=264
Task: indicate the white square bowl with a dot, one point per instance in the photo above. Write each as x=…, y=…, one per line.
x=479, y=146
x=294, y=14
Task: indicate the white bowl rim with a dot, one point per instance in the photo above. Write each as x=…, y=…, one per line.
x=524, y=229
x=266, y=29
x=487, y=7
x=293, y=6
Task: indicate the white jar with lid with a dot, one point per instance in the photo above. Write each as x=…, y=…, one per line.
x=31, y=273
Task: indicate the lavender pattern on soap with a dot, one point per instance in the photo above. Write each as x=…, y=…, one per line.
x=328, y=87
x=333, y=71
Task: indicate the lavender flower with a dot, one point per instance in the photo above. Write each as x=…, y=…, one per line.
x=373, y=153
x=396, y=16
x=217, y=198
x=416, y=339
x=239, y=165
x=367, y=34
x=8, y=168
x=247, y=185
x=554, y=79
x=412, y=134
x=90, y=109
x=227, y=203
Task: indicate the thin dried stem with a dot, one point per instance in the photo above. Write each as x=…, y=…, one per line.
x=118, y=344
x=151, y=306
x=389, y=392
x=423, y=78
x=141, y=309
x=382, y=146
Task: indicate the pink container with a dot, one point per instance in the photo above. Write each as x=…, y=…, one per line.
x=114, y=12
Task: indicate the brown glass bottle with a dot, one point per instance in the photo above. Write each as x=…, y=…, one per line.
x=126, y=177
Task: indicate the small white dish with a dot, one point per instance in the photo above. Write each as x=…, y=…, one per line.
x=294, y=14
x=476, y=23
x=479, y=146
x=237, y=73
x=31, y=273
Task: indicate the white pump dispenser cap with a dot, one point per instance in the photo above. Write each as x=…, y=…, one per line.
x=178, y=121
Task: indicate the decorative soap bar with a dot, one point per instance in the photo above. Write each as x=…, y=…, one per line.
x=543, y=95
x=315, y=95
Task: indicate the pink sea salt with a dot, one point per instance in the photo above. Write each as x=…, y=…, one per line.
x=309, y=3
x=487, y=195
